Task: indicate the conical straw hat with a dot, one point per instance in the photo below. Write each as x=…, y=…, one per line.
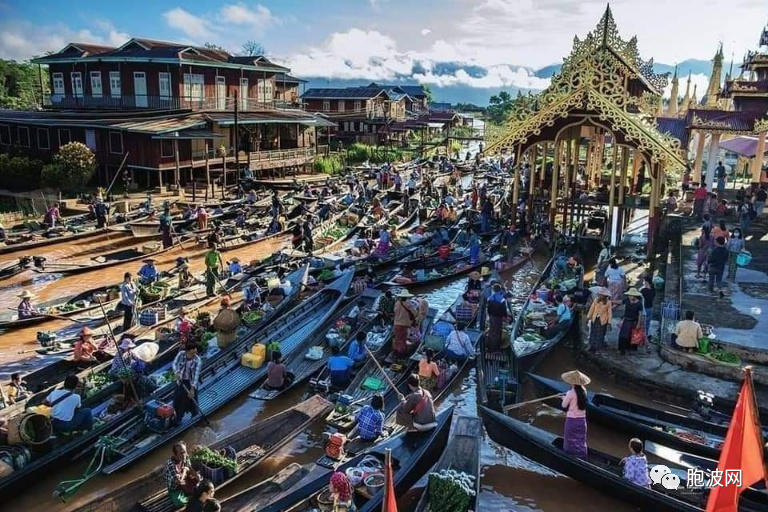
x=576, y=378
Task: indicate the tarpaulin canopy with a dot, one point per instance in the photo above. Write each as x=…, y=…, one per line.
x=742, y=145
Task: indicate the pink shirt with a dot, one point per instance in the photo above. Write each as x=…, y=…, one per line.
x=571, y=402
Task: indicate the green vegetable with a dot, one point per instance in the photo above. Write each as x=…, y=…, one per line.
x=252, y=317
x=724, y=356
x=212, y=459
x=451, y=491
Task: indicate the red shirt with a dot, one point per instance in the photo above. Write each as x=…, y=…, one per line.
x=700, y=193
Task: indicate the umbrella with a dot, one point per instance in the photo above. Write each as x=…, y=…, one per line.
x=146, y=351
x=600, y=290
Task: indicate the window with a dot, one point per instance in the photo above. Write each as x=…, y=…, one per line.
x=23, y=133
x=243, y=94
x=165, y=85
x=116, y=143
x=43, y=139
x=221, y=92
x=342, y=105
x=358, y=107
x=266, y=90
x=5, y=135
x=96, y=84
x=193, y=86
x=114, y=84
x=58, y=83
x=326, y=106
x=77, y=84
x=64, y=136
x=166, y=148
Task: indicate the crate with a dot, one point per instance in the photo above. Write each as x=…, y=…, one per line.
x=252, y=360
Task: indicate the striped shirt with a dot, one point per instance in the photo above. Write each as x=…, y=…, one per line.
x=188, y=369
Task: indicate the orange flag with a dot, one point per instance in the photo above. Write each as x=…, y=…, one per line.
x=390, y=500
x=742, y=453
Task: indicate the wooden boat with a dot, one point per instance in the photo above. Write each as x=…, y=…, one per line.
x=439, y=274
x=8, y=270
x=462, y=454
x=708, y=365
x=145, y=229
x=229, y=377
x=529, y=342
x=412, y=456
x=303, y=368
x=125, y=422
x=674, y=430
x=99, y=262
x=253, y=444
x=601, y=471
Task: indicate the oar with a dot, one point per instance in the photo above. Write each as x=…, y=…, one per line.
x=57, y=317
x=197, y=405
x=373, y=358
x=508, y=408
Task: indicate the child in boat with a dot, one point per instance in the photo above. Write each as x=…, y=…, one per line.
x=343, y=492
x=636, y=465
x=428, y=370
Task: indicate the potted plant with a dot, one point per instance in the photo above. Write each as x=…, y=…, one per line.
x=222, y=150
x=213, y=465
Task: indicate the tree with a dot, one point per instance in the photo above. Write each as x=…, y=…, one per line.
x=253, y=48
x=20, y=85
x=428, y=92
x=500, y=105
x=72, y=168
x=212, y=46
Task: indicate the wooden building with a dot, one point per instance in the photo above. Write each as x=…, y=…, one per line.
x=168, y=109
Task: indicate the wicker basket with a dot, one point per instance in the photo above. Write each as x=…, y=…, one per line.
x=30, y=429
x=227, y=321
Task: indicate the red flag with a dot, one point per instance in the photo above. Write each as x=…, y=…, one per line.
x=742, y=453
x=390, y=500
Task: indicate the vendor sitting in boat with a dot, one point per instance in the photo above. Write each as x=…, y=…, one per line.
x=416, y=412
x=185, y=276
x=180, y=479
x=251, y=296
x=148, y=273
x=458, y=345
x=356, y=351
x=17, y=390
x=234, y=266
x=370, y=419
x=340, y=367
x=387, y=308
x=66, y=414
x=25, y=307
x=124, y=360
x=86, y=350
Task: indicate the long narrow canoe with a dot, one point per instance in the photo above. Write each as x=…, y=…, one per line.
x=412, y=456
x=601, y=471
x=125, y=422
x=99, y=262
x=253, y=444
x=462, y=454
x=230, y=378
x=674, y=430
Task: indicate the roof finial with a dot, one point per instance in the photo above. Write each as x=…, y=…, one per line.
x=607, y=18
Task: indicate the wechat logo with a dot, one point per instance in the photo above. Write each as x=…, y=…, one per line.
x=663, y=475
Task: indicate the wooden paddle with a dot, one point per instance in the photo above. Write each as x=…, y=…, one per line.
x=117, y=346
x=197, y=405
x=373, y=358
x=508, y=408
x=57, y=317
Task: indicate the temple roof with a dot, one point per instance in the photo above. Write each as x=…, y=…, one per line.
x=675, y=127
x=723, y=120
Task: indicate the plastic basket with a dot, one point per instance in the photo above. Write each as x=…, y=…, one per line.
x=743, y=258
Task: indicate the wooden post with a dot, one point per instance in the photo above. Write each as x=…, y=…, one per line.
x=696, y=178
x=553, y=184
x=516, y=182
x=653, y=210
x=567, y=184
x=544, y=162
x=177, y=171
x=757, y=162
x=612, y=186
x=207, y=172
x=223, y=175
x=624, y=165
x=531, y=186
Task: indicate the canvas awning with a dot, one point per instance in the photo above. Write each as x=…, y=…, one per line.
x=742, y=145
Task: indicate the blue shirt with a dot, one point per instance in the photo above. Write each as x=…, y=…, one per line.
x=148, y=272
x=340, y=363
x=370, y=423
x=563, y=313
x=356, y=352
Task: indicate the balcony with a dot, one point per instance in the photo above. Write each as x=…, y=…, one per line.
x=146, y=102
x=257, y=160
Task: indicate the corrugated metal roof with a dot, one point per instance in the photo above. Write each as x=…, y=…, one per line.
x=722, y=120
x=676, y=127
x=190, y=135
x=288, y=79
x=158, y=126
x=362, y=93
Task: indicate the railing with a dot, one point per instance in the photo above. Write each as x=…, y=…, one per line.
x=139, y=102
x=256, y=156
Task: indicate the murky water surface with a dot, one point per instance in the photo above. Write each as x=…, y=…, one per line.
x=509, y=482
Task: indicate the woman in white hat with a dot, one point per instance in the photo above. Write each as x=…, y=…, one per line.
x=406, y=316
x=633, y=317
x=25, y=307
x=123, y=360
x=575, y=405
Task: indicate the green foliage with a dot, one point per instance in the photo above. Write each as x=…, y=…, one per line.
x=20, y=85
x=212, y=459
x=428, y=91
x=72, y=168
x=19, y=173
x=359, y=153
x=500, y=106
x=331, y=164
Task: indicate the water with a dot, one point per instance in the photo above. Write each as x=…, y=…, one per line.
x=509, y=482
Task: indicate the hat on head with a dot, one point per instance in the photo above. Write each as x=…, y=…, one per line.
x=576, y=378
x=149, y=260
x=183, y=310
x=235, y=260
x=26, y=294
x=633, y=292
x=86, y=331
x=127, y=343
x=404, y=294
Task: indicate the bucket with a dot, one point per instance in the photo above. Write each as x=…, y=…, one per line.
x=374, y=483
x=225, y=338
x=743, y=258
x=30, y=429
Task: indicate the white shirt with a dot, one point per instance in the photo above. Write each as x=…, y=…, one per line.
x=614, y=275
x=459, y=343
x=65, y=409
x=355, y=311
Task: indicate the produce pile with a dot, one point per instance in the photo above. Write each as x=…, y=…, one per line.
x=212, y=459
x=376, y=338
x=451, y=491
x=690, y=436
x=94, y=383
x=724, y=356
x=326, y=274
x=252, y=317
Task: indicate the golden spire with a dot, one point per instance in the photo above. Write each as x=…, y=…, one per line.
x=694, y=102
x=687, y=98
x=674, y=96
x=713, y=91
